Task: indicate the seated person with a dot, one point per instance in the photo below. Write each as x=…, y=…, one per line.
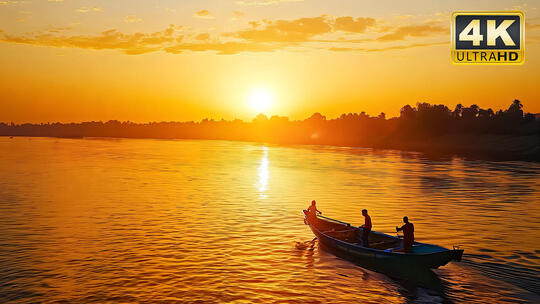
x=312, y=213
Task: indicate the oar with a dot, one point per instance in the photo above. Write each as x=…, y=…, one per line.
x=312, y=243
x=302, y=245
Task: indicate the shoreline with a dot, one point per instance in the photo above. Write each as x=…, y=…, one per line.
x=489, y=147
x=470, y=146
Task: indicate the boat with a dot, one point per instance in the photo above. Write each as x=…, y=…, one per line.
x=346, y=240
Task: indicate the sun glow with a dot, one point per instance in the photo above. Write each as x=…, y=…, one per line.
x=260, y=99
x=263, y=171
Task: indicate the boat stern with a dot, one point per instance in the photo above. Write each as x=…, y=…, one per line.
x=457, y=254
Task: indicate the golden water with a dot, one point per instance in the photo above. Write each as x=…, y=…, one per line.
x=127, y=220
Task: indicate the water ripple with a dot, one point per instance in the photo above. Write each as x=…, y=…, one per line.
x=190, y=221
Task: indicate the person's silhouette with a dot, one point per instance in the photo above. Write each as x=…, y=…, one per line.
x=366, y=228
x=312, y=212
x=408, y=234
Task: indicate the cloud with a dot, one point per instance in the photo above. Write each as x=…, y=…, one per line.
x=263, y=2
x=55, y=0
x=322, y=32
x=402, y=32
x=58, y=29
x=532, y=27
x=137, y=43
x=203, y=36
x=398, y=47
x=349, y=24
x=9, y=2
x=223, y=48
x=302, y=29
x=404, y=16
x=237, y=15
x=298, y=30
x=205, y=14
x=132, y=19
x=87, y=9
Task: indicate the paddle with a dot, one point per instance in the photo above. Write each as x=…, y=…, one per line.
x=302, y=245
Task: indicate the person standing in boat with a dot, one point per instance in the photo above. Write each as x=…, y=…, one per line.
x=366, y=228
x=312, y=212
x=408, y=234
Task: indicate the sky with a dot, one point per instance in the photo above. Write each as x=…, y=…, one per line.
x=172, y=60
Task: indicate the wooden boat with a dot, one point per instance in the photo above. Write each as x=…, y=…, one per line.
x=345, y=240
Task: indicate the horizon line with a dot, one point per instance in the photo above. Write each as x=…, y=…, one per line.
x=268, y=116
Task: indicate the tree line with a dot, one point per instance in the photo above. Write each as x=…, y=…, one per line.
x=422, y=122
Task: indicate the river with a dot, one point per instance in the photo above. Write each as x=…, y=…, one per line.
x=194, y=221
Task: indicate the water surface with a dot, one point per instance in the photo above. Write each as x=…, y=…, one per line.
x=126, y=220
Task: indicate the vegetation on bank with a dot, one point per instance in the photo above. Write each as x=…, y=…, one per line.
x=509, y=133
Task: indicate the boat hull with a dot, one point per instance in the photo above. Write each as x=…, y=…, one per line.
x=386, y=258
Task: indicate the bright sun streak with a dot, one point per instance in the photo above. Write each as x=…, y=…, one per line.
x=260, y=99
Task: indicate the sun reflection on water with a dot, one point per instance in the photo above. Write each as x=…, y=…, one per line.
x=263, y=173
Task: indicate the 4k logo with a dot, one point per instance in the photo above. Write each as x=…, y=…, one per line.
x=488, y=37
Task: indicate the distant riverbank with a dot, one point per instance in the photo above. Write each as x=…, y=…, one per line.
x=494, y=147
x=471, y=131
x=497, y=147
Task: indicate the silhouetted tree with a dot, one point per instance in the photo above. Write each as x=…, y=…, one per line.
x=515, y=111
x=407, y=112
x=261, y=118
x=415, y=124
x=457, y=111
x=469, y=113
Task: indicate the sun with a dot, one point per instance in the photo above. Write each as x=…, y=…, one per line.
x=260, y=99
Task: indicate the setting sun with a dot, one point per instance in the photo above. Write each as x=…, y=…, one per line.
x=260, y=99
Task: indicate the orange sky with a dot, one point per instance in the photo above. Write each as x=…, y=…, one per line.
x=153, y=61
